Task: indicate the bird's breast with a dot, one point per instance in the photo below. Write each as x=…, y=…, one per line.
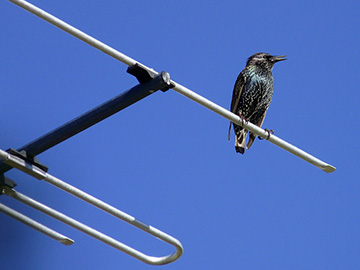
x=257, y=94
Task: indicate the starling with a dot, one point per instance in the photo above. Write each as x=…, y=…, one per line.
x=252, y=95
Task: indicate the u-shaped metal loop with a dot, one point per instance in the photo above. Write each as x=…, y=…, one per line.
x=34, y=171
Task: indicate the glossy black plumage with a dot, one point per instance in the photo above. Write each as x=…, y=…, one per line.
x=252, y=95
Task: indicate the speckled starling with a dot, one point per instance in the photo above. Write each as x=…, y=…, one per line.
x=252, y=95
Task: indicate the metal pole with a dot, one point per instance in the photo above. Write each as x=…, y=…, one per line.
x=36, y=225
x=254, y=129
x=93, y=116
x=39, y=174
x=178, y=87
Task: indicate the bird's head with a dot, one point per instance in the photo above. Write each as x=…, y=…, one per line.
x=264, y=60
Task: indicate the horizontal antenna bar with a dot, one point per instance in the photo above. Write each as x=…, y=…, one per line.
x=254, y=129
x=37, y=173
x=34, y=224
x=178, y=87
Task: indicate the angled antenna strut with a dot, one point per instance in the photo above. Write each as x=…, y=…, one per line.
x=29, y=151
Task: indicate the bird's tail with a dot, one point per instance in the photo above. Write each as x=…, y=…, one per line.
x=240, y=137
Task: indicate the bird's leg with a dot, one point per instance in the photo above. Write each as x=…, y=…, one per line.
x=271, y=131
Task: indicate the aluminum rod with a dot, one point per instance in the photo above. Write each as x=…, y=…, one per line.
x=178, y=87
x=253, y=128
x=39, y=174
x=35, y=225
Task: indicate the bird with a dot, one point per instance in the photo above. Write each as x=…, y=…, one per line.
x=252, y=95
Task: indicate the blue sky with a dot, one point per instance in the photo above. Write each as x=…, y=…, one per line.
x=166, y=160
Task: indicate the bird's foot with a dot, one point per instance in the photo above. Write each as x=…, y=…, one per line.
x=243, y=119
x=271, y=131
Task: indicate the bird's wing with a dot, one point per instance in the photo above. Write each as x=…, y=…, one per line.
x=238, y=87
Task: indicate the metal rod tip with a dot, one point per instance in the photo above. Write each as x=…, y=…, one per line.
x=67, y=241
x=328, y=168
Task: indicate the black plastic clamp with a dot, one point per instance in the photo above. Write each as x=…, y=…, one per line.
x=33, y=160
x=144, y=75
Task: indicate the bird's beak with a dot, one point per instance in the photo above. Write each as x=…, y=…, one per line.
x=278, y=58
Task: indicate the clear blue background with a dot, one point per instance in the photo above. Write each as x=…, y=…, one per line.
x=166, y=160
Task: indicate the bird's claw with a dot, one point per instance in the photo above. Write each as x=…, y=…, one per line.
x=271, y=131
x=243, y=119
